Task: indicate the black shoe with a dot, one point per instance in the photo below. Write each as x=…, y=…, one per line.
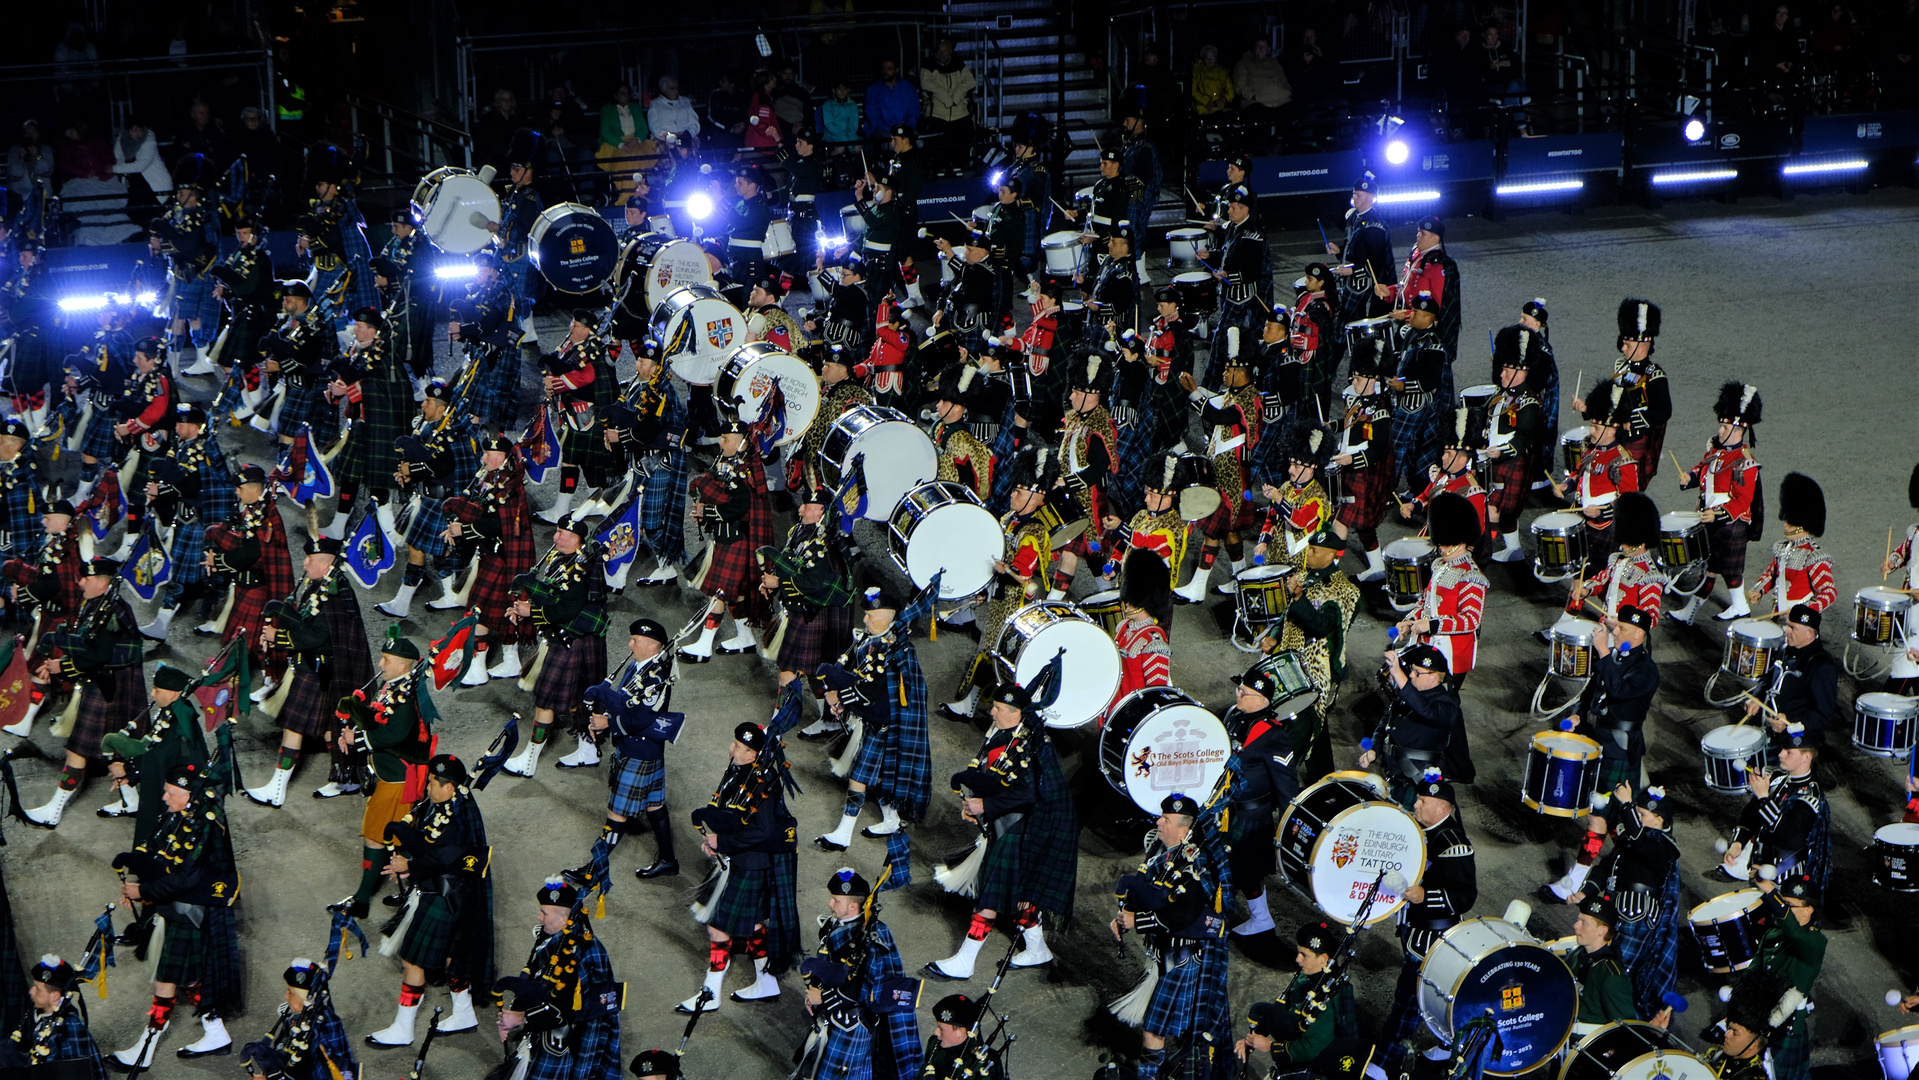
x=185, y=1054
x=1547, y=896
x=824, y=844
x=660, y=868
x=955, y=715
x=394, y=900
x=356, y=908
x=1542, y=637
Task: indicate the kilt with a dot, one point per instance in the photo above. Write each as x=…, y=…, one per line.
x=663, y=509
x=189, y=545
x=1726, y=542
x=386, y=805
x=1190, y=997
x=1136, y=453
x=731, y=573
x=568, y=671
x=308, y=709
x=308, y=405
x=848, y=1054
x=99, y=441
x=1614, y=771
x=187, y=949
x=1367, y=493
x=635, y=784
x=1236, y=514
x=424, y=528
x=821, y=639
x=1649, y=948
x=429, y=937
x=897, y=1045
x=493, y=586
x=495, y=393
x=249, y=610
x=1509, y=480
x=1416, y=443
x=1647, y=449
x=999, y=871
x=194, y=302
x=587, y=450
x=762, y=896
x=98, y=715
x=1792, y=1054
x=370, y=457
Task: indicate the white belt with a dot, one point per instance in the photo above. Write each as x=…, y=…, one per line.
x=871, y=246
x=735, y=242
x=800, y=198
x=1097, y=220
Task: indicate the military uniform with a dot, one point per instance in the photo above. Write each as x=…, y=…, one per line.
x=853, y=970
x=1314, y=630
x=1641, y=394
x=342, y=280
x=309, y=1044
x=566, y=595
x=635, y=703
x=1728, y=481
x=102, y=653
x=815, y=592
x=579, y=412
x=1368, y=249
x=152, y=747
x=1451, y=884
x=1797, y=954
x=496, y=534
x=246, y=282
x=300, y=348
x=569, y=998
x=185, y=235
x=489, y=380
x=878, y=682
x=196, y=489
x=56, y=1040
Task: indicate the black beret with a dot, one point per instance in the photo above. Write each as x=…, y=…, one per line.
x=1433, y=225
x=1800, y=887
x=59, y=506
x=447, y=768
x=649, y=628
x=324, y=545
x=183, y=774
x=1796, y=737
x=1317, y=936
x=957, y=1010
x=499, y=443
x=1804, y=615
x=1426, y=658
x=1260, y=680
x=303, y=974
x=656, y=1063
x=1639, y=617
x=557, y=892
x=1012, y=693
x=189, y=413
x=1177, y=803
x=170, y=678
x=1599, y=907
x=101, y=566
x=847, y=882
x=252, y=474
x=750, y=735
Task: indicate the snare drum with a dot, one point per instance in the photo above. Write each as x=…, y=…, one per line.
x=779, y=239
x=1491, y=966
x=753, y=373
x=1877, y=613
x=1899, y=1052
x=1682, y=539
x=1476, y=398
x=1295, y=692
x=1634, y=1050
x=852, y=225
x=1198, y=293
x=454, y=207
x=573, y=247
x=1562, y=769
x=1750, y=646
x=1262, y=593
x=1337, y=835
x=1409, y=567
x=1727, y=751
x=1560, y=540
x=1183, y=248
x=1895, y=857
x=895, y=456
x=941, y=526
x=698, y=332
x=1103, y=608
x=1726, y=930
x=1158, y=741
x=1572, y=446
x=1376, y=333
x=1885, y=725
x=1035, y=633
x=1061, y=251
x=1572, y=645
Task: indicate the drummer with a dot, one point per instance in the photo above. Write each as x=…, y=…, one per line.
x=1418, y=407
x=1315, y=336
x=1605, y=472
x=1642, y=881
x=1244, y=271
x=1741, y=1036
x=1800, y=571
x=1114, y=295
x=1297, y=505
x=885, y=366
x=1802, y=685
x=1113, y=195
x=1419, y=723
x=963, y=458
x=1788, y=823
x=1037, y=342
x=839, y=394
x=1640, y=391
x=846, y=318
x=1449, y=611
x=1020, y=573
x=1517, y=445
x=1089, y=460
x=766, y=320
x=1728, y=481
x=745, y=227
x=1605, y=990
x=1145, y=614
x=1612, y=708
x=1460, y=442
x=1005, y=236
x=1239, y=168
x=1364, y=254
x=1793, y=948
x=1364, y=457
x=1632, y=574
x=1156, y=527
x=1903, y=678
x=1266, y=783
x=884, y=233
x=1231, y=419
x=1320, y=604
x=973, y=302
x=1447, y=888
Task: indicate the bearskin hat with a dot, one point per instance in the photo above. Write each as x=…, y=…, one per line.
x=1636, y=519
x=1453, y=520
x=1803, y=503
x=1516, y=346
x=1638, y=318
x=1466, y=429
x=1035, y=466
x=1147, y=584
x=1307, y=443
x=1738, y=403
x=1090, y=370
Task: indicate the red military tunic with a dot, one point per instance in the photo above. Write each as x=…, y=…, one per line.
x=886, y=362
x=1454, y=600
x=1164, y=535
x=1036, y=344
x=1627, y=579
x=1421, y=273
x=1728, y=481
x=1145, y=655
x=1603, y=475
x=1800, y=573
x=1465, y=485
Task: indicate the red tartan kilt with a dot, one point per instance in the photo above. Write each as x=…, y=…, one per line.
x=1508, y=481
x=732, y=573
x=492, y=588
x=246, y=617
x=1369, y=490
x=1646, y=450
x=1236, y=513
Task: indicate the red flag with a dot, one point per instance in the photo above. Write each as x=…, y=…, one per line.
x=216, y=703
x=16, y=689
x=452, y=653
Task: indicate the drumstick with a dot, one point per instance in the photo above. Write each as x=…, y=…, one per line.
x=1579, y=382
x=1676, y=465
x=1767, y=708
x=1055, y=202
x=1196, y=203
x=1888, y=563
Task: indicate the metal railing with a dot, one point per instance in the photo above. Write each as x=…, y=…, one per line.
x=158, y=89
x=403, y=141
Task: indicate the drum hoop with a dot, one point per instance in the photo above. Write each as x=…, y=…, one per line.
x=1564, y=1038
x=1693, y=912
x=1911, y=1031
x=1376, y=915
x=1589, y=747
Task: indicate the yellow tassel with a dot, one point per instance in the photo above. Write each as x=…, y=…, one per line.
x=902, y=693
x=599, y=910
x=578, y=991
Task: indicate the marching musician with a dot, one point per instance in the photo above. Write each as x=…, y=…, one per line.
x=409, y=312
x=879, y=682
x=888, y=365
x=168, y=735
x=520, y=207
x=492, y=530
x=805, y=179
x=730, y=503
x=1740, y=1053
x=308, y=1041
x=745, y=227
x=21, y=501
x=963, y=458
x=1632, y=575
x=1793, y=948
x=650, y=424
x=974, y=303
x=1174, y=901
x=54, y=1035
x=186, y=871
x=378, y=397
x=297, y=350
x=1113, y=197
x=1114, y=295
x=1157, y=526
x=1303, y=1027
x=186, y=234
x=1517, y=444
x=1446, y=891
x=49, y=584
x=333, y=236
x=100, y=651
x=1642, y=881
x=880, y=208
x=482, y=321
x=767, y=321
x=1320, y=604
x=1145, y=612
x=1904, y=671
x=321, y=627
x=846, y=983
x=1460, y=440
x=1231, y=419
x=1429, y=271
x=1800, y=571
x=847, y=314
x=189, y=488
x=244, y=281
x=440, y=455
x=580, y=384
x=1420, y=406
x=1449, y=611
x=395, y=730
x=1802, y=686
x=1139, y=160
x=1534, y=317
x=1016, y=793
x=1641, y=395
x=1316, y=341
x=1297, y=503
x=656, y=1065
x=812, y=577
x=1245, y=271
x=440, y=857
x=1788, y=823
x=145, y=409
x=564, y=597
x=1420, y=724
x=1035, y=186
x=752, y=909
x=1005, y=236
x=1021, y=572
x=630, y=709
x=839, y=394
x=1265, y=782
x=99, y=375
x=1605, y=988
x=1605, y=471
x=1727, y=477
x=954, y=1051
x=1366, y=249
x=564, y=1023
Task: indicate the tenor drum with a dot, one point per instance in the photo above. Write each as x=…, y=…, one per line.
x=1682, y=539
x=1633, y=1050
x=751, y=377
x=1877, y=615
x=1409, y=567
x=1183, y=247
x=1726, y=929
x=1885, y=725
x=1157, y=741
x=1572, y=646
x=1336, y=837
x=1262, y=593
x=1198, y=293
x=1199, y=497
x=892, y=454
x=1491, y=966
x=1899, y=1052
x=1895, y=857
x=1751, y=645
x=1034, y=634
x=1560, y=541
x=697, y=330
x=1061, y=251
x=940, y=526
x=573, y=247
x=454, y=207
x=779, y=239
x=1103, y=608
x=1562, y=769
x=652, y=265
x=1728, y=750
x=852, y=225
x=1572, y=446
x=1296, y=692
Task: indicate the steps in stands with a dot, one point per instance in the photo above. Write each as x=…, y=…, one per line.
x=1026, y=38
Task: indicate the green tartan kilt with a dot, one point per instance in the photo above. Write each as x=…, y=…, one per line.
x=1616, y=771
x=587, y=451
x=429, y=937
x=999, y=872
x=183, y=956
x=753, y=896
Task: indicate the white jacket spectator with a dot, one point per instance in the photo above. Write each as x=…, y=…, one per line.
x=1260, y=80
x=145, y=159
x=945, y=86
x=671, y=113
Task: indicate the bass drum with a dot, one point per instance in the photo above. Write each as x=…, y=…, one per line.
x=1034, y=634
x=1633, y=1050
x=942, y=528
x=573, y=247
x=651, y=266
x=1491, y=966
x=751, y=376
x=1336, y=837
x=892, y=454
x=696, y=329
x=1157, y=741
x=454, y=207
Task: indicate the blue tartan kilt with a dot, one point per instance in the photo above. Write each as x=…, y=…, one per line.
x=194, y=301
x=875, y=747
x=99, y=442
x=189, y=546
x=758, y=897
x=1416, y=443
x=308, y=405
x=635, y=784
x=1190, y=997
x=495, y=396
x=896, y=1046
x=848, y=1055
x=429, y=937
x=424, y=529
x=663, y=509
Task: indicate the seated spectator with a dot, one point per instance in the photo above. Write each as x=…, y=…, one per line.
x=199, y=135
x=763, y=131
x=84, y=154
x=493, y=132
x=1315, y=74
x=671, y=114
x=891, y=100
x=1777, y=49
x=840, y=118
x=136, y=156
x=1498, y=67
x=947, y=84
x=1212, y=84
x=626, y=144
x=726, y=111
x=1261, y=84
x=1836, y=43
x=792, y=100
x=256, y=142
